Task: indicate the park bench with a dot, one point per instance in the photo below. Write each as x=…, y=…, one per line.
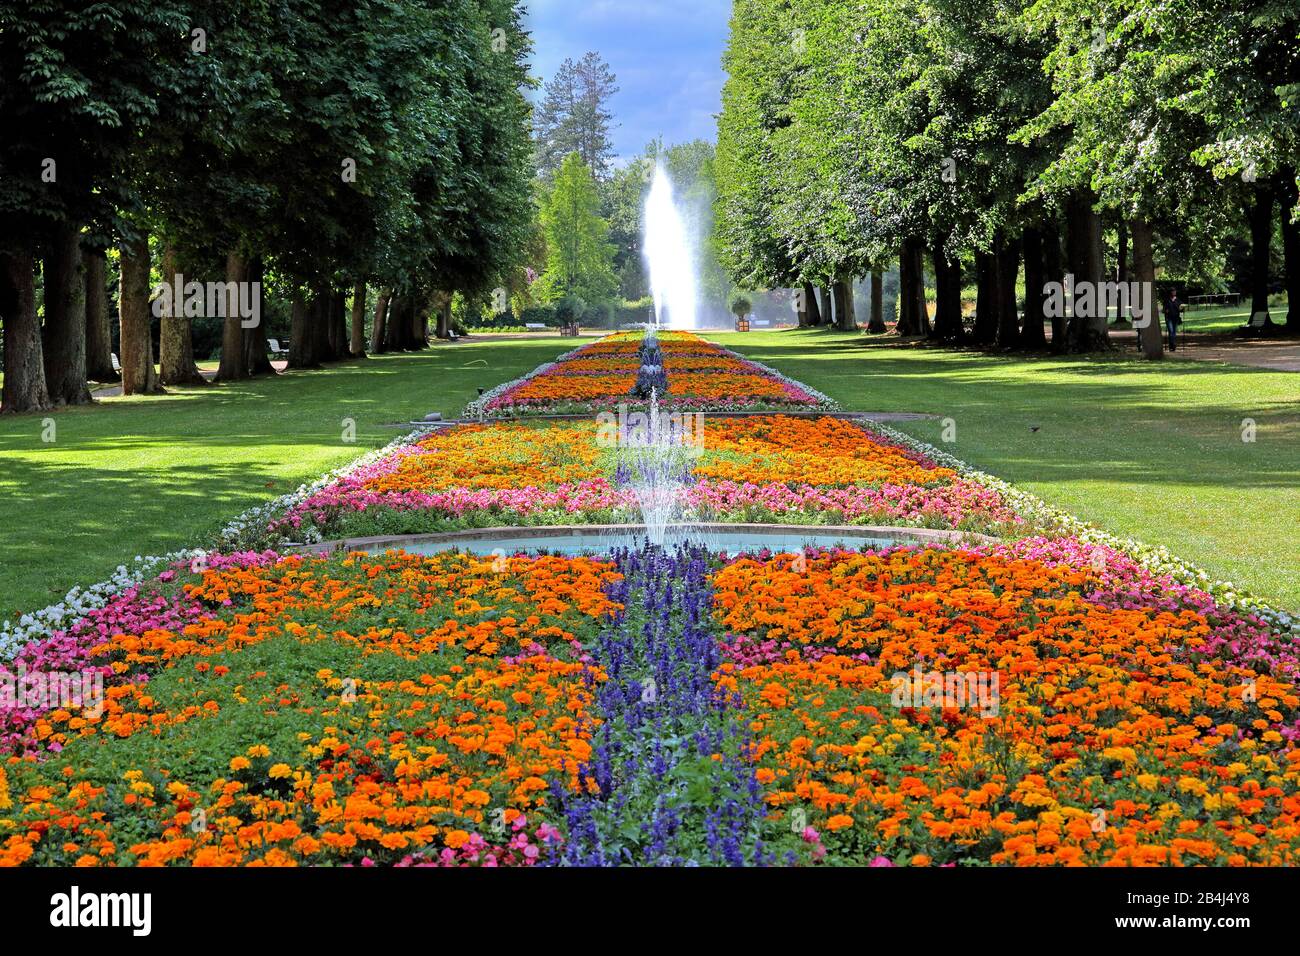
x=1213, y=300
x=276, y=348
x=117, y=366
x=1257, y=320
x=535, y=326
x=761, y=323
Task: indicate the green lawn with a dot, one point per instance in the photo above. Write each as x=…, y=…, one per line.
x=1149, y=451
x=136, y=476
x=1218, y=321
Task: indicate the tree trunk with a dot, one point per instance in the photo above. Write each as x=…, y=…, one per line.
x=175, y=343
x=810, y=298
x=801, y=307
x=1084, y=252
x=24, y=363
x=828, y=306
x=381, y=319
x=256, y=358
x=1032, y=334
x=906, y=321
x=847, y=320
x=99, y=340
x=987, y=290
x=1121, y=269
x=63, y=339
x=357, y=345
x=338, y=325
x=393, y=327
x=1008, y=252
x=913, y=315
x=1261, y=242
x=1144, y=273
x=876, y=321
x=1287, y=198
x=302, y=351
x=232, y=367
x=138, y=374
x=444, y=319
x=332, y=337
x=1054, y=272
x=319, y=330
x=947, y=294
x=920, y=309
x=399, y=321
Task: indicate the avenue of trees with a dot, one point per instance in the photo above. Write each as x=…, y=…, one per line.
x=376, y=151
x=982, y=137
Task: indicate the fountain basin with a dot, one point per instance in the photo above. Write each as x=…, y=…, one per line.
x=601, y=539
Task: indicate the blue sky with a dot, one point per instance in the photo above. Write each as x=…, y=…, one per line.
x=667, y=55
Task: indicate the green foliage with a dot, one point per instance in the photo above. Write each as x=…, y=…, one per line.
x=847, y=129
x=386, y=139
x=570, y=309
x=579, y=255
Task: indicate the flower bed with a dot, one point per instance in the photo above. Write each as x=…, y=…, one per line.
x=1058, y=697
x=601, y=375
x=754, y=469
x=393, y=704
x=1126, y=724
x=515, y=711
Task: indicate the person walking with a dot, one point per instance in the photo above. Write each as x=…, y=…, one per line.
x=1173, y=318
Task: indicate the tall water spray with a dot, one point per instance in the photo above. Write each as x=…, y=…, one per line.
x=668, y=256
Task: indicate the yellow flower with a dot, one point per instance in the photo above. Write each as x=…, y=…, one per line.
x=1123, y=754
x=279, y=771
x=238, y=763
x=1148, y=781
x=259, y=750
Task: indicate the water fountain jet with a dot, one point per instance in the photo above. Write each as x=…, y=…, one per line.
x=669, y=256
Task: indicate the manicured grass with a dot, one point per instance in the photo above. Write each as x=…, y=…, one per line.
x=136, y=476
x=1149, y=451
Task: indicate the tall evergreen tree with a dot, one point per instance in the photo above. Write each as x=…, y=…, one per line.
x=574, y=116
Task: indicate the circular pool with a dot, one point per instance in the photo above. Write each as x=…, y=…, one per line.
x=603, y=539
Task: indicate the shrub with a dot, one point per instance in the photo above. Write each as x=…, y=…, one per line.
x=569, y=310
x=544, y=314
